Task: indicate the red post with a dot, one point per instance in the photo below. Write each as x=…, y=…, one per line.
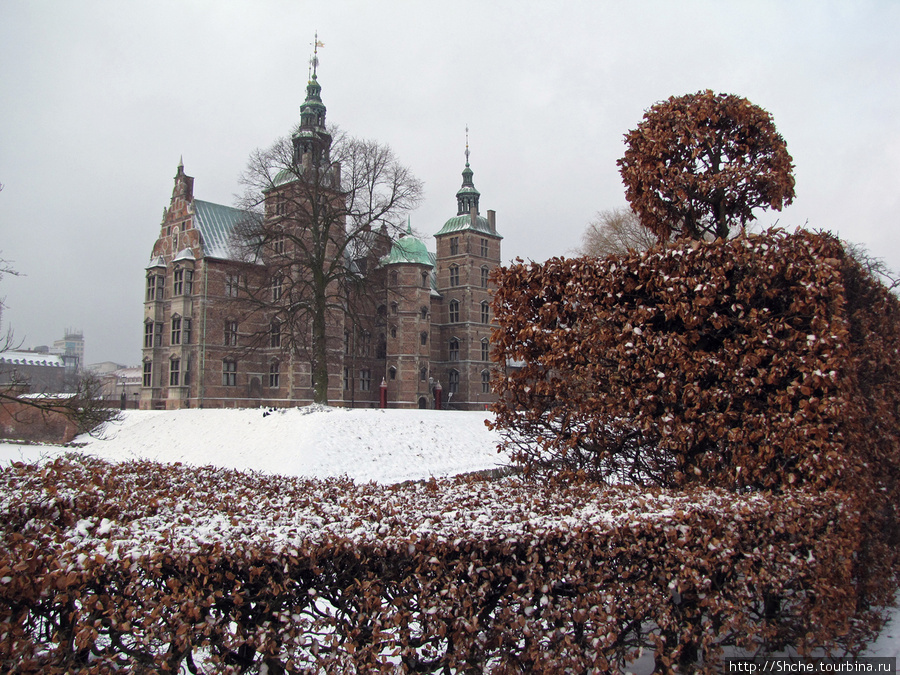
x=383, y=393
x=438, y=390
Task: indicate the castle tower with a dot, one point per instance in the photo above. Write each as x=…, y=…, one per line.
x=408, y=318
x=468, y=250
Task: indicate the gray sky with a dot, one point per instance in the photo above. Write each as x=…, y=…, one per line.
x=100, y=99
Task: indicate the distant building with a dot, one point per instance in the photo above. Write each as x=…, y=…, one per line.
x=32, y=372
x=430, y=329
x=71, y=348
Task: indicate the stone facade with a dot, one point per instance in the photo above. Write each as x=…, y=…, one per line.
x=426, y=330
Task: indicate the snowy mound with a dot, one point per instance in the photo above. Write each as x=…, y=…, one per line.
x=386, y=446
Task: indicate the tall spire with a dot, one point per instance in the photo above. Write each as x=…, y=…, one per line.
x=312, y=141
x=467, y=196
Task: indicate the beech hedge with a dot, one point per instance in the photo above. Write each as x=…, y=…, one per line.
x=768, y=362
x=143, y=567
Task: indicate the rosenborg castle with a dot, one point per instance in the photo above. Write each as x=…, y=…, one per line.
x=425, y=342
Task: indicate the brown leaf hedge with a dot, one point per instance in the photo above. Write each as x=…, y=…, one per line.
x=145, y=567
x=765, y=363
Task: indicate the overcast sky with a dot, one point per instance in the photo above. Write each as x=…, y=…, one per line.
x=100, y=99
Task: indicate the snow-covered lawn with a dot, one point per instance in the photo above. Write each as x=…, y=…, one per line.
x=386, y=446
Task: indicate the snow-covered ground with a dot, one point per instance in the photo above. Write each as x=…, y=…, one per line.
x=386, y=446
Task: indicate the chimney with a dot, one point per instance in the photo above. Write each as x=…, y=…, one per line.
x=492, y=220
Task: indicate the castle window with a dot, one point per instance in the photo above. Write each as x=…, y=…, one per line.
x=174, y=368
x=275, y=334
x=365, y=379
x=485, y=312
x=393, y=331
x=484, y=248
x=364, y=347
x=274, y=375
x=277, y=286
x=185, y=331
x=231, y=333
x=423, y=338
x=485, y=350
x=346, y=341
x=423, y=374
x=186, y=374
x=392, y=373
x=454, y=275
x=278, y=245
x=176, y=330
x=425, y=279
x=454, y=245
x=485, y=273
x=148, y=335
x=454, y=382
x=454, y=311
x=147, y=380
x=394, y=279
x=157, y=342
x=485, y=382
x=346, y=379
x=454, y=349
x=155, y=285
x=229, y=373
x=424, y=312
x=394, y=308
x=178, y=283
x=232, y=285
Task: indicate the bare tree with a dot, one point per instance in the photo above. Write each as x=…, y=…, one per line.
x=876, y=267
x=323, y=214
x=616, y=231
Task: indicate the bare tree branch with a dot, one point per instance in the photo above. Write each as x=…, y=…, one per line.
x=314, y=239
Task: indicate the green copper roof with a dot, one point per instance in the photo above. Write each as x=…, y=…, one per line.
x=408, y=249
x=462, y=223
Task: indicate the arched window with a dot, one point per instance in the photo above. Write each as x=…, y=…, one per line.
x=485, y=382
x=485, y=273
x=485, y=312
x=485, y=350
x=424, y=312
x=454, y=349
x=454, y=275
x=425, y=276
x=454, y=311
x=393, y=331
x=423, y=338
x=392, y=373
x=423, y=375
x=394, y=308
